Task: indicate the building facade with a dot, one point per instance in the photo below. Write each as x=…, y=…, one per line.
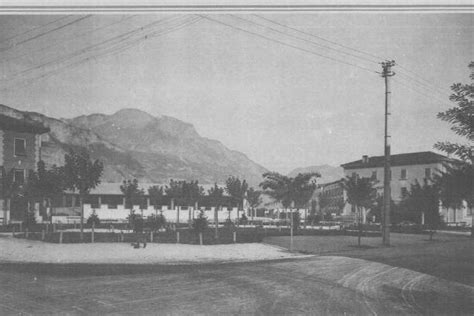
x=20, y=151
x=406, y=169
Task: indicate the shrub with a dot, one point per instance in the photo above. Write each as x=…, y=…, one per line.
x=93, y=220
x=155, y=222
x=200, y=223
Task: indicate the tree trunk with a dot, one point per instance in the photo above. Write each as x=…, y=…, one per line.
x=472, y=222
x=216, y=223
x=81, y=203
x=360, y=226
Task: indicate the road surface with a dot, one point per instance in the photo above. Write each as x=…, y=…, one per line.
x=317, y=285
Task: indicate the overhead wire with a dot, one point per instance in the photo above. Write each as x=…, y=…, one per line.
x=111, y=50
x=430, y=97
x=322, y=38
x=286, y=44
x=306, y=40
x=45, y=33
x=77, y=36
x=34, y=29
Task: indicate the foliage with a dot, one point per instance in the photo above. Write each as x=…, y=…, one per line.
x=424, y=199
x=456, y=185
x=156, y=194
x=236, y=189
x=287, y=190
x=216, y=196
x=361, y=194
x=184, y=193
x=243, y=219
x=156, y=222
x=461, y=118
x=93, y=220
x=81, y=173
x=296, y=220
x=253, y=197
x=133, y=194
x=136, y=222
x=200, y=223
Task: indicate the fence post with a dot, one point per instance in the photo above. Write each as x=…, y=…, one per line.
x=42, y=234
x=177, y=237
x=151, y=236
x=200, y=239
x=54, y=227
x=60, y=237
x=235, y=236
x=121, y=235
x=26, y=232
x=13, y=230
x=21, y=226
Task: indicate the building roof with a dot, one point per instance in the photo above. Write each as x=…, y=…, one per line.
x=113, y=188
x=418, y=158
x=9, y=123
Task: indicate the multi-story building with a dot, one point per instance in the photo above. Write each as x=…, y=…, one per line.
x=405, y=170
x=20, y=150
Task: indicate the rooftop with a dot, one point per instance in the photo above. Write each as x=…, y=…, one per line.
x=417, y=158
x=9, y=123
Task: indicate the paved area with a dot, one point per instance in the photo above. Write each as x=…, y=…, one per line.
x=318, y=285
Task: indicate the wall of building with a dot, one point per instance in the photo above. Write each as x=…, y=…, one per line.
x=27, y=162
x=413, y=173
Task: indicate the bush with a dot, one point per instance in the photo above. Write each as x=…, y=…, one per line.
x=93, y=220
x=155, y=222
x=200, y=223
x=243, y=220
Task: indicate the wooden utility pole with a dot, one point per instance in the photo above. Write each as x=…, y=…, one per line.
x=387, y=196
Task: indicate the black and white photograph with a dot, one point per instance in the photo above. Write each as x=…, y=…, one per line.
x=236, y=158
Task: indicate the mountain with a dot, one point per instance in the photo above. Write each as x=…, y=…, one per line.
x=135, y=144
x=328, y=173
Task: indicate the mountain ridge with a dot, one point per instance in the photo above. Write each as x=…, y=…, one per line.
x=135, y=144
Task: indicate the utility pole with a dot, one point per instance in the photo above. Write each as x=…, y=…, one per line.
x=387, y=196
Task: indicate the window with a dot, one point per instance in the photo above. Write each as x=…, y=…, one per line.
x=403, y=174
x=403, y=192
x=20, y=147
x=374, y=175
x=19, y=176
x=428, y=173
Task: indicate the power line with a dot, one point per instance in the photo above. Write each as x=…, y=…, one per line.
x=121, y=37
x=45, y=33
x=420, y=93
x=34, y=29
x=110, y=51
x=417, y=75
x=422, y=85
x=305, y=40
x=321, y=38
x=80, y=35
x=286, y=44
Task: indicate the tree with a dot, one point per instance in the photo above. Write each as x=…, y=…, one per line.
x=236, y=189
x=288, y=190
x=93, y=220
x=132, y=192
x=253, y=198
x=423, y=200
x=461, y=118
x=156, y=194
x=45, y=184
x=361, y=194
x=81, y=174
x=184, y=193
x=216, y=196
x=200, y=223
x=456, y=183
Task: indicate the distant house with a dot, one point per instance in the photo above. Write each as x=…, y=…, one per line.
x=330, y=198
x=405, y=169
x=20, y=150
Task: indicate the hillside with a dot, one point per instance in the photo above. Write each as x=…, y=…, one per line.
x=134, y=144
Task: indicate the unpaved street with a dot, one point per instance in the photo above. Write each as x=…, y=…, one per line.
x=317, y=285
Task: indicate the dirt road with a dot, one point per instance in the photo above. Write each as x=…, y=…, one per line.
x=318, y=285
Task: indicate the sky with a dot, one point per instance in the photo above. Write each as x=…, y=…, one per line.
x=288, y=90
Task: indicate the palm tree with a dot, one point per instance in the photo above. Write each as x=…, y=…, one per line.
x=288, y=191
x=361, y=194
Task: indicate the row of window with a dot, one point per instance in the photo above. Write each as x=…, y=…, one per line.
x=403, y=174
